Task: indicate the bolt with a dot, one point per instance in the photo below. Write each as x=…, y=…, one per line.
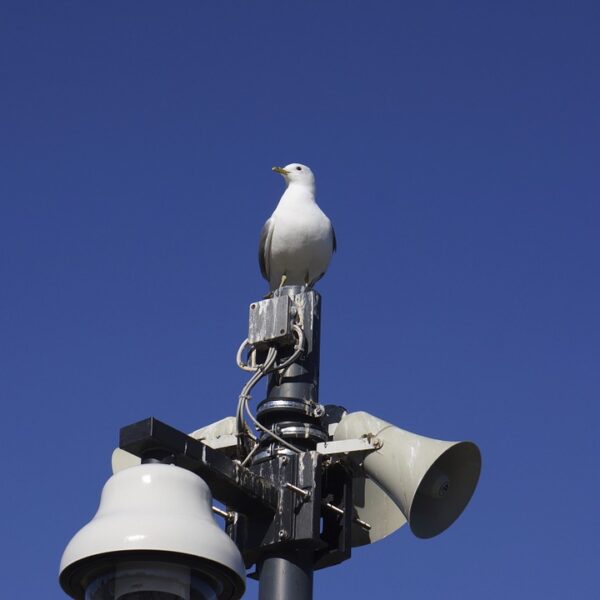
x=285, y=460
x=253, y=306
x=283, y=534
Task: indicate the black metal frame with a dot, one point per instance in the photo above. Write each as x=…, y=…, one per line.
x=277, y=507
x=288, y=512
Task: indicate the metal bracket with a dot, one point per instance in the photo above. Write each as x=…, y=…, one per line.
x=349, y=446
x=220, y=435
x=230, y=483
x=315, y=511
x=285, y=502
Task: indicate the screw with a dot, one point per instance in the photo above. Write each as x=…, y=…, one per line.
x=285, y=460
x=319, y=410
x=253, y=306
x=283, y=534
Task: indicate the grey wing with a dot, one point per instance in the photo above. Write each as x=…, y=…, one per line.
x=334, y=248
x=264, y=248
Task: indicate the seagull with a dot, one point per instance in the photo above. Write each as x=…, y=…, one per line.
x=298, y=241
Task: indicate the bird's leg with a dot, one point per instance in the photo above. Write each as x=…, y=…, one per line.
x=277, y=290
x=306, y=285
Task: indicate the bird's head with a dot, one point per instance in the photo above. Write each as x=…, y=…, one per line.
x=297, y=174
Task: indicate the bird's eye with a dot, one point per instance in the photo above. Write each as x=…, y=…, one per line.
x=298, y=168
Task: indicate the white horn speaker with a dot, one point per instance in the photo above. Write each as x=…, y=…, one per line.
x=430, y=481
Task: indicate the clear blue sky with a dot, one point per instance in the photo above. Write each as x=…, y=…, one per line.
x=456, y=148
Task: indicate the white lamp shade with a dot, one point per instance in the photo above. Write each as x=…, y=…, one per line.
x=154, y=510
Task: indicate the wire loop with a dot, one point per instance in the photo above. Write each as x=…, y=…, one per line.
x=247, y=442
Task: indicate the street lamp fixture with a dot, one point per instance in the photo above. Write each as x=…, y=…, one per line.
x=154, y=536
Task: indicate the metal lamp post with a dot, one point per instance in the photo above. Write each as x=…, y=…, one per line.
x=311, y=482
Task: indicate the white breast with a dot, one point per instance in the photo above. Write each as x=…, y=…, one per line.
x=302, y=241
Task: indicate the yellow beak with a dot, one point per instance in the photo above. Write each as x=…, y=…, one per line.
x=280, y=170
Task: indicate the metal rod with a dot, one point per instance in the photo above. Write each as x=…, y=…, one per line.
x=221, y=513
x=304, y=493
x=362, y=523
x=336, y=509
x=340, y=511
x=287, y=576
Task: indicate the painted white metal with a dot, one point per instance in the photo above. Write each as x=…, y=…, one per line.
x=347, y=446
x=123, y=460
x=220, y=435
x=430, y=481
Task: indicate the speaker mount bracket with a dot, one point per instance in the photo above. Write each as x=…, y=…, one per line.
x=353, y=446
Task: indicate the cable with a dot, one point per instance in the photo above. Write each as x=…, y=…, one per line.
x=298, y=349
x=238, y=357
x=243, y=431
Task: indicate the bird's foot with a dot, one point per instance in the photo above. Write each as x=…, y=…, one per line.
x=282, y=283
x=308, y=285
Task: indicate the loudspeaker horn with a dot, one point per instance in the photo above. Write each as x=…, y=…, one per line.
x=430, y=481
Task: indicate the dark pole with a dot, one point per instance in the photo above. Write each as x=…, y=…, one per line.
x=292, y=410
x=286, y=576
